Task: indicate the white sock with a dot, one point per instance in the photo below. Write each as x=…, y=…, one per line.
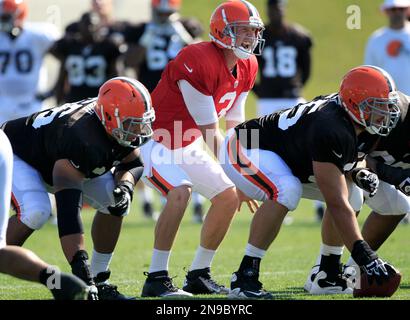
x=146, y=194
x=100, y=262
x=197, y=199
x=253, y=251
x=159, y=260
x=326, y=250
x=203, y=258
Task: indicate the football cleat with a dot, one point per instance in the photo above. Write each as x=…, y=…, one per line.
x=72, y=288
x=245, y=285
x=107, y=291
x=159, y=284
x=313, y=272
x=322, y=284
x=200, y=282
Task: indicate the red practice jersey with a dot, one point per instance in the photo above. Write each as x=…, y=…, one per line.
x=203, y=66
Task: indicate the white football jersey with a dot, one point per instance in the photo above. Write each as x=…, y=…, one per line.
x=21, y=61
x=390, y=50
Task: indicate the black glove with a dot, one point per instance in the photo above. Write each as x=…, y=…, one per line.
x=369, y=263
x=366, y=180
x=123, y=193
x=404, y=186
x=379, y=271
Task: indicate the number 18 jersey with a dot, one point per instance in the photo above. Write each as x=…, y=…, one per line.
x=319, y=130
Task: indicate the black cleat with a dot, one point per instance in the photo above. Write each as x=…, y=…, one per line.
x=245, y=285
x=72, y=288
x=200, y=282
x=159, y=284
x=107, y=291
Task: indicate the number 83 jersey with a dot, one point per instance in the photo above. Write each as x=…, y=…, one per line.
x=319, y=130
x=21, y=59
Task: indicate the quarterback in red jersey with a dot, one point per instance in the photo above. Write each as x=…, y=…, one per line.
x=206, y=81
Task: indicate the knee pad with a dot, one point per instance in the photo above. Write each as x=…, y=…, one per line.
x=289, y=192
x=36, y=217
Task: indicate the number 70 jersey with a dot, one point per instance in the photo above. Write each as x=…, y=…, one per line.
x=21, y=59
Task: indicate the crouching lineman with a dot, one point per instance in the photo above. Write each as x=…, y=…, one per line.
x=20, y=262
x=72, y=149
x=389, y=159
x=316, y=140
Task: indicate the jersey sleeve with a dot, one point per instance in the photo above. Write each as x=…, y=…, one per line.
x=197, y=68
x=328, y=144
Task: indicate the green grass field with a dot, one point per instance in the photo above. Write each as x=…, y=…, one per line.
x=284, y=269
x=291, y=256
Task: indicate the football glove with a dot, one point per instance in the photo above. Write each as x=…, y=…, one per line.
x=123, y=194
x=379, y=271
x=366, y=180
x=404, y=186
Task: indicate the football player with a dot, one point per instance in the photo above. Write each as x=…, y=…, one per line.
x=88, y=59
x=70, y=150
x=206, y=81
x=284, y=67
x=20, y=262
x=274, y=158
x=22, y=49
x=388, y=158
x=151, y=46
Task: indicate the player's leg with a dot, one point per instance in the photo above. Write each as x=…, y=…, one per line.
x=30, y=201
x=20, y=262
x=326, y=275
x=163, y=173
x=264, y=176
x=105, y=232
x=389, y=206
x=209, y=180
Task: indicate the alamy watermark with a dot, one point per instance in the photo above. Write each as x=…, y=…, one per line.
x=354, y=19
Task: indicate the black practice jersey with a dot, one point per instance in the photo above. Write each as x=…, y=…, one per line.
x=87, y=65
x=71, y=131
x=393, y=149
x=285, y=63
x=319, y=130
x=162, y=42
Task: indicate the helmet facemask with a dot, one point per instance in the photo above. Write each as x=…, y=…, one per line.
x=133, y=129
x=379, y=115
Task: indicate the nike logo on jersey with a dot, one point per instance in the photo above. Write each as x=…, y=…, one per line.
x=188, y=68
x=337, y=155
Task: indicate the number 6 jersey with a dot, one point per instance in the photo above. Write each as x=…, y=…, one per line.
x=319, y=130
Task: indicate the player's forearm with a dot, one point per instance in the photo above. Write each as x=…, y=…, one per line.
x=346, y=223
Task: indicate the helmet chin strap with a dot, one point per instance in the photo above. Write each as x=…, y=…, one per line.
x=241, y=53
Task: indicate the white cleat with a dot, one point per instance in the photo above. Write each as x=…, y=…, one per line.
x=321, y=284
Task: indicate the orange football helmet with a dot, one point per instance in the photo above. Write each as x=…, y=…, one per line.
x=369, y=95
x=125, y=109
x=225, y=21
x=12, y=14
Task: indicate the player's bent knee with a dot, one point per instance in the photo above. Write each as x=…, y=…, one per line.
x=228, y=198
x=179, y=196
x=290, y=192
x=36, y=217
